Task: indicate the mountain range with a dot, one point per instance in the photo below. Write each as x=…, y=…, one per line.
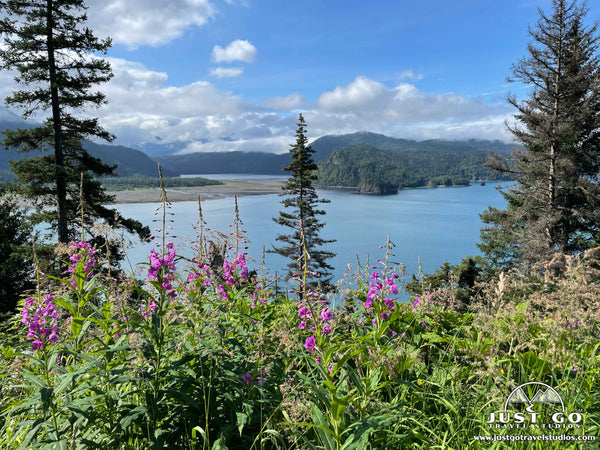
x=364, y=146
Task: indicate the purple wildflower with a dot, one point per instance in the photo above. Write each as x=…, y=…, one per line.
x=162, y=269
x=304, y=313
x=147, y=311
x=85, y=254
x=247, y=378
x=326, y=330
x=310, y=343
x=326, y=315
x=416, y=303
x=261, y=377
x=43, y=326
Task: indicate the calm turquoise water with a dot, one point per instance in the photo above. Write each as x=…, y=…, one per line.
x=436, y=225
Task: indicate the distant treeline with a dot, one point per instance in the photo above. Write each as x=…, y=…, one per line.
x=137, y=182
x=366, y=165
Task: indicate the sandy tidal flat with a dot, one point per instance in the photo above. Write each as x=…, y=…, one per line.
x=180, y=194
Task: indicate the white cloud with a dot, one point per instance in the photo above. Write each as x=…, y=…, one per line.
x=275, y=144
x=147, y=22
x=288, y=103
x=226, y=72
x=238, y=50
x=142, y=106
x=369, y=99
x=362, y=93
x=409, y=75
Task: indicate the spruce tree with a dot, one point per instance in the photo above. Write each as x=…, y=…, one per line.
x=555, y=203
x=55, y=56
x=303, y=217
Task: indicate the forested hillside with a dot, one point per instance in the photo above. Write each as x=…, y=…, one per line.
x=376, y=170
x=324, y=146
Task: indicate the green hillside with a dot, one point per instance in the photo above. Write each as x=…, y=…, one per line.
x=129, y=162
x=325, y=145
x=225, y=162
x=375, y=170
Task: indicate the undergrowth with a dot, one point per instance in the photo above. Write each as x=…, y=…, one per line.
x=204, y=354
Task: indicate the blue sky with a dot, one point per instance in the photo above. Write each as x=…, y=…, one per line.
x=234, y=74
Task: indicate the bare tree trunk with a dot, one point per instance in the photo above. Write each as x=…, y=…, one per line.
x=59, y=163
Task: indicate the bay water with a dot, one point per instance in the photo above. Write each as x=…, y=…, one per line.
x=430, y=225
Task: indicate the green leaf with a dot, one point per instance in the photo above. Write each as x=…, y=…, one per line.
x=195, y=431
x=242, y=420
x=34, y=380
x=219, y=444
x=132, y=415
x=327, y=435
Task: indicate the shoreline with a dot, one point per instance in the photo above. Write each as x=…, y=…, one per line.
x=240, y=187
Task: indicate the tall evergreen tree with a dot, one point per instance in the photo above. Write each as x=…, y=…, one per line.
x=555, y=202
x=54, y=54
x=302, y=199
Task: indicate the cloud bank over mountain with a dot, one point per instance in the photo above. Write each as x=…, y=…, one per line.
x=238, y=96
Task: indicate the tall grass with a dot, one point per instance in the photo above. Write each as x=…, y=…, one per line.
x=204, y=355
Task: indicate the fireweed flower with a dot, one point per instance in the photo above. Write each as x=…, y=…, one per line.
x=304, y=313
x=310, y=343
x=84, y=255
x=203, y=273
x=236, y=270
x=326, y=315
x=326, y=330
x=416, y=303
x=123, y=319
x=42, y=322
x=162, y=268
x=422, y=300
x=261, y=377
x=147, y=311
x=378, y=300
x=247, y=378
x=263, y=298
